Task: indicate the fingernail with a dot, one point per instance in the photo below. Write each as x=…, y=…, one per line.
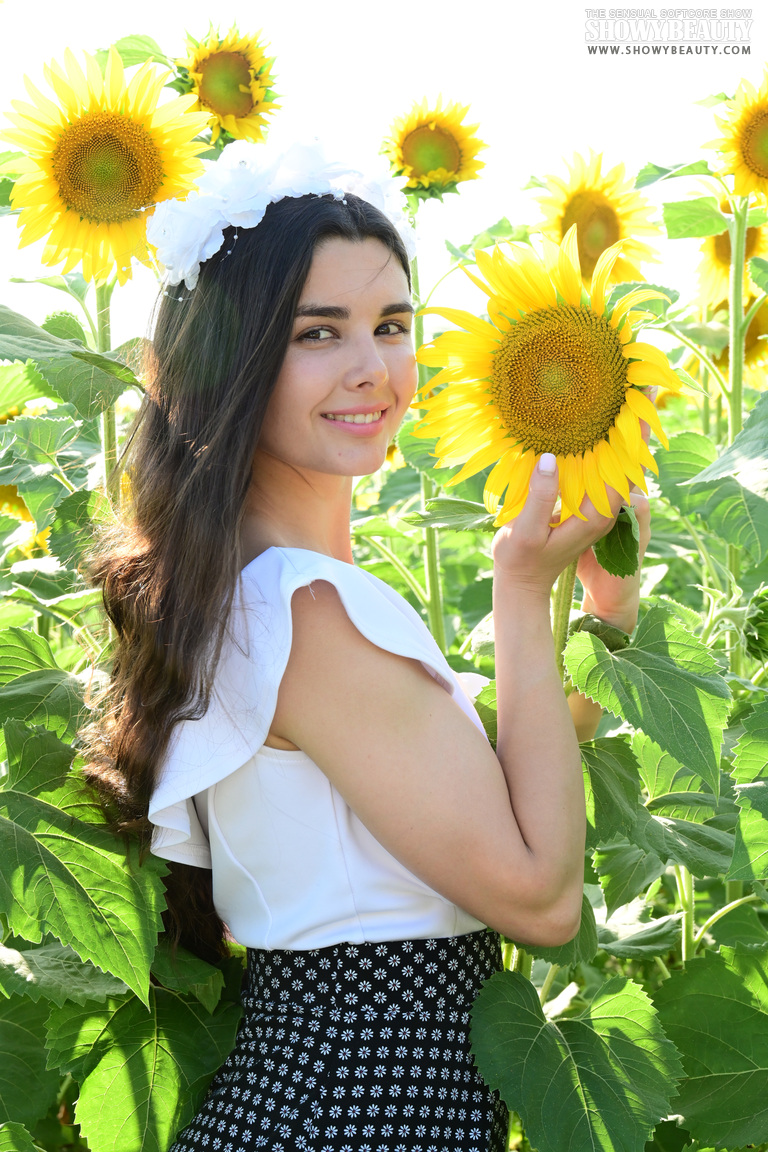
x=547, y=464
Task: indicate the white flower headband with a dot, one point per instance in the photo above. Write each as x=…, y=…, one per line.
x=236, y=190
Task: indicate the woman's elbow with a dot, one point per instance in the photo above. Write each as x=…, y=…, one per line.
x=548, y=926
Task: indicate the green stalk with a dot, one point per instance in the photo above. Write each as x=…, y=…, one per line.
x=718, y=915
x=561, y=611
x=108, y=419
x=432, y=579
x=398, y=565
x=522, y=963
x=687, y=903
x=738, y=328
x=549, y=980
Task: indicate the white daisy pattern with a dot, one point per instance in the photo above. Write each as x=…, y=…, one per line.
x=356, y=1048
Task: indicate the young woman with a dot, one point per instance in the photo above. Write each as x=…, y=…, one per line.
x=285, y=720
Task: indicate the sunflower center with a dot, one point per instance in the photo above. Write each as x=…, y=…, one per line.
x=723, y=246
x=225, y=87
x=597, y=227
x=754, y=143
x=428, y=148
x=107, y=167
x=559, y=379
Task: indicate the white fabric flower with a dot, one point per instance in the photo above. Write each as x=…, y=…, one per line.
x=237, y=188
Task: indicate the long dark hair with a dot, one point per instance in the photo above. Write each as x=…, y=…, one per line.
x=169, y=570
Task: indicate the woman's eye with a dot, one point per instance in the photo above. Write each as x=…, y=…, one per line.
x=393, y=328
x=317, y=335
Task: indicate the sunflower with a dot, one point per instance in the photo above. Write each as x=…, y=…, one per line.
x=715, y=265
x=744, y=143
x=755, y=348
x=553, y=371
x=26, y=538
x=232, y=81
x=433, y=149
x=98, y=161
x=606, y=209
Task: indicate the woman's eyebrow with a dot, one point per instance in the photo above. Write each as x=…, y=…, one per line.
x=334, y=312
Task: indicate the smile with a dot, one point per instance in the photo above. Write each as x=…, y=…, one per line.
x=358, y=418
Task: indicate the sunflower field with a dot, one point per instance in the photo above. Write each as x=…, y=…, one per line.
x=648, y=1032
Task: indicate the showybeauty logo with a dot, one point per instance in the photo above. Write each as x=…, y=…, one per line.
x=668, y=31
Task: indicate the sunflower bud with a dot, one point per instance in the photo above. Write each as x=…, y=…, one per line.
x=756, y=625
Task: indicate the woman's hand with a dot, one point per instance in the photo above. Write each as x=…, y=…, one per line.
x=613, y=598
x=529, y=554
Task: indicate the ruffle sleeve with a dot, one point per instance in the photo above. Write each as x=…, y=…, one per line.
x=233, y=730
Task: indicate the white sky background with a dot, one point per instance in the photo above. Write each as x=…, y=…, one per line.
x=345, y=72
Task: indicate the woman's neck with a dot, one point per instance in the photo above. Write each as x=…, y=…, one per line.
x=288, y=507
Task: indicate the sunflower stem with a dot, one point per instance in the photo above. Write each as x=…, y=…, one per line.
x=432, y=580
x=738, y=324
x=522, y=963
x=686, y=896
x=108, y=418
x=561, y=612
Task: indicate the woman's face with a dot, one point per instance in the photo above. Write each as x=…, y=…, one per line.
x=349, y=373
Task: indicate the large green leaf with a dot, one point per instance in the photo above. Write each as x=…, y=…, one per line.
x=26, y=1087
x=55, y=973
x=182, y=971
x=673, y=790
x=15, y=1138
x=651, y=172
x=34, y=456
x=625, y=870
x=695, y=217
x=88, y=380
x=77, y=517
x=140, y=1072
x=600, y=1080
x=618, y=550
x=68, y=877
x=745, y=459
x=666, y=683
x=655, y=938
x=612, y=787
x=50, y=697
x=453, y=513
x=18, y=384
x=731, y=505
x=22, y=651
x=750, y=773
x=583, y=946
x=716, y=1012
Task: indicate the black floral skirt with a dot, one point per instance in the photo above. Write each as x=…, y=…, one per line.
x=356, y=1048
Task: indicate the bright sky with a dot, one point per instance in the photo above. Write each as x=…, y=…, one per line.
x=345, y=71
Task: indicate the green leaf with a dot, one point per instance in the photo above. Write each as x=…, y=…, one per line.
x=711, y=335
x=78, y=516
x=419, y=453
x=501, y=230
x=136, y=49
x=673, y=790
x=598, y=1080
x=612, y=787
x=746, y=459
x=485, y=705
x=141, y=1073
x=750, y=773
x=67, y=877
x=26, y=1087
x=181, y=971
x=15, y=1138
x=64, y=326
x=88, y=380
x=33, y=456
x=618, y=551
x=18, y=384
x=73, y=283
x=666, y=683
x=703, y=849
x=54, y=973
x=625, y=870
x=758, y=272
x=716, y=1012
x=667, y=1137
x=727, y=508
x=582, y=947
x=653, y=172
x=655, y=939
x=696, y=217
x=21, y=652
x=50, y=697
x=453, y=513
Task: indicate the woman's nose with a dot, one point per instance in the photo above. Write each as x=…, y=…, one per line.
x=367, y=365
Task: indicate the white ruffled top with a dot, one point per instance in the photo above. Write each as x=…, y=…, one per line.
x=293, y=866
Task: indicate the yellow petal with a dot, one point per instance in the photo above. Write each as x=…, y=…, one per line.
x=571, y=472
x=642, y=407
x=610, y=468
x=601, y=275
x=594, y=484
